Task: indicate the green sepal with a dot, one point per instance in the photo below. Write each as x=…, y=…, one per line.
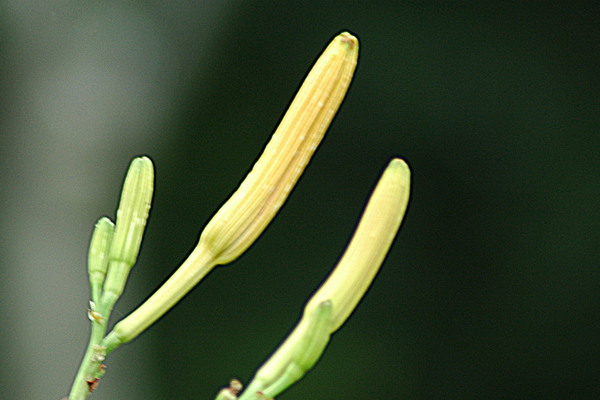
x=295, y=357
x=308, y=351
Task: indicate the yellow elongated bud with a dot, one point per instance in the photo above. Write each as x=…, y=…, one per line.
x=343, y=289
x=369, y=245
x=247, y=213
x=98, y=255
x=250, y=209
x=129, y=229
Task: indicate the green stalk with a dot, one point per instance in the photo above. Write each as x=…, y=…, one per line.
x=91, y=367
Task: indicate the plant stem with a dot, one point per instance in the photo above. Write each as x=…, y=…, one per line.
x=91, y=368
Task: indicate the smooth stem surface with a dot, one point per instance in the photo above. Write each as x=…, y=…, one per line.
x=187, y=276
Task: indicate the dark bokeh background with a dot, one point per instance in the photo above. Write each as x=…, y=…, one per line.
x=491, y=289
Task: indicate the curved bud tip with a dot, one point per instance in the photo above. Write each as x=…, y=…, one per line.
x=401, y=166
x=349, y=39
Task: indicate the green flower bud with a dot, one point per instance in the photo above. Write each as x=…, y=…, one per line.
x=129, y=229
x=98, y=255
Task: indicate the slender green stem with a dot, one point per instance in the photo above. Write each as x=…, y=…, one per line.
x=91, y=365
x=91, y=368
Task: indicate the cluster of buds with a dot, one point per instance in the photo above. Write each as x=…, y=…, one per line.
x=114, y=247
x=113, y=251
x=239, y=222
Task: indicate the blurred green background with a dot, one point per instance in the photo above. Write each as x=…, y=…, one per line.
x=491, y=289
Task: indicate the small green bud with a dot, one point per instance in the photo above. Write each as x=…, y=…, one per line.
x=133, y=211
x=129, y=228
x=98, y=255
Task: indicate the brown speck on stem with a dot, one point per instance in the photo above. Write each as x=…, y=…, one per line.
x=93, y=384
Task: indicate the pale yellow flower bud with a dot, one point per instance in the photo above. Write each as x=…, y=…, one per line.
x=247, y=213
x=250, y=209
x=369, y=245
x=335, y=300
